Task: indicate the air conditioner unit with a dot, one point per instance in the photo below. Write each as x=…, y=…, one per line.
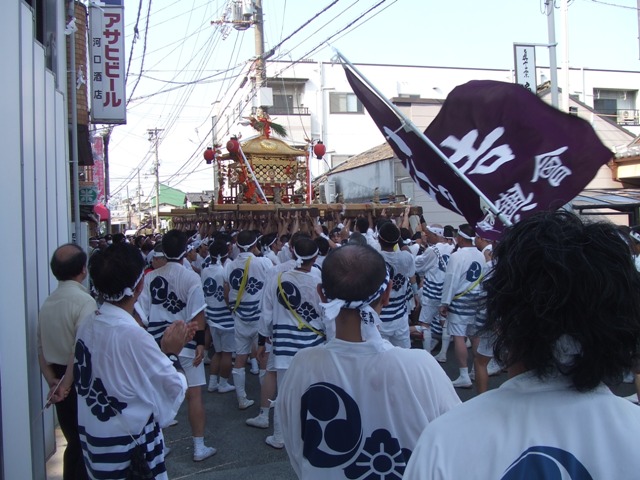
x=627, y=117
x=328, y=192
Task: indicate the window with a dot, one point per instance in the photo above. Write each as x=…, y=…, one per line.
x=617, y=105
x=344, y=103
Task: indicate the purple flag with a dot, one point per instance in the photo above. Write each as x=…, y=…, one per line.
x=521, y=153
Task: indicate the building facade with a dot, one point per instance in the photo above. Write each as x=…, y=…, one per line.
x=35, y=191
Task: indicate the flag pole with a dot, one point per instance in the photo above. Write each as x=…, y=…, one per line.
x=409, y=125
x=253, y=176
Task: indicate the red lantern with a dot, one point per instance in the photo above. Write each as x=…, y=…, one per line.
x=233, y=145
x=319, y=150
x=209, y=155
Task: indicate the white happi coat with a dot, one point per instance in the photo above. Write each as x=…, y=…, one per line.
x=394, y=317
x=290, y=334
x=248, y=309
x=126, y=387
x=170, y=293
x=217, y=312
x=358, y=403
x=461, y=288
x=531, y=428
x=432, y=265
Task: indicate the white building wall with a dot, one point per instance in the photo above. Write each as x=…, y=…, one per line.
x=33, y=142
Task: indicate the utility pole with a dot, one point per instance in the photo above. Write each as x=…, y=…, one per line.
x=153, y=137
x=128, y=209
x=258, y=22
x=139, y=201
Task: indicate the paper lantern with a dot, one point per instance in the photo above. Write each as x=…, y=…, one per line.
x=319, y=150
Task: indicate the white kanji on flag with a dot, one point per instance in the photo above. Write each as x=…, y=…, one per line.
x=549, y=166
x=513, y=201
x=479, y=158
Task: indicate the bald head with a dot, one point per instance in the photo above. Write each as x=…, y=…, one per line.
x=69, y=262
x=353, y=272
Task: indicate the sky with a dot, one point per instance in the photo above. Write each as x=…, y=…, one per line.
x=183, y=69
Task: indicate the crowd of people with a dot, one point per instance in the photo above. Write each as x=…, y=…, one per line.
x=325, y=311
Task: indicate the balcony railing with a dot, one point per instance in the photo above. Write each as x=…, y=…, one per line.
x=285, y=110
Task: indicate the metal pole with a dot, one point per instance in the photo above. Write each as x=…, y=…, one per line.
x=564, y=13
x=139, y=201
x=308, y=179
x=553, y=62
x=74, y=129
x=107, y=187
x=214, y=120
x=409, y=125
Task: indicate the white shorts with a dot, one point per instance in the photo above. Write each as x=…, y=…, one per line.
x=427, y=313
x=223, y=340
x=246, y=335
x=400, y=336
x=461, y=329
x=485, y=347
x=195, y=375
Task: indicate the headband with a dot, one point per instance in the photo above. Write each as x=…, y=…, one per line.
x=220, y=257
x=247, y=247
x=380, y=237
x=370, y=319
x=158, y=254
x=635, y=236
x=179, y=257
x=436, y=230
x=464, y=235
x=127, y=292
x=300, y=259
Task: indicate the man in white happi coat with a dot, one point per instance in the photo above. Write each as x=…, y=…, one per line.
x=245, y=278
x=128, y=388
x=219, y=318
x=460, y=295
x=291, y=319
x=394, y=317
x=564, y=301
x=174, y=293
x=355, y=406
x=432, y=265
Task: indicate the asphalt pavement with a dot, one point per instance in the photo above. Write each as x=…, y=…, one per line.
x=242, y=453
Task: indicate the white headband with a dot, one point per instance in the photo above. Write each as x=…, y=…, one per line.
x=370, y=319
x=635, y=236
x=464, y=235
x=247, y=247
x=436, y=230
x=127, y=292
x=300, y=259
x=174, y=258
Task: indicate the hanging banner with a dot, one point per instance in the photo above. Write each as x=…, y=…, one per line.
x=525, y=63
x=97, y=147
x=106, y=51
